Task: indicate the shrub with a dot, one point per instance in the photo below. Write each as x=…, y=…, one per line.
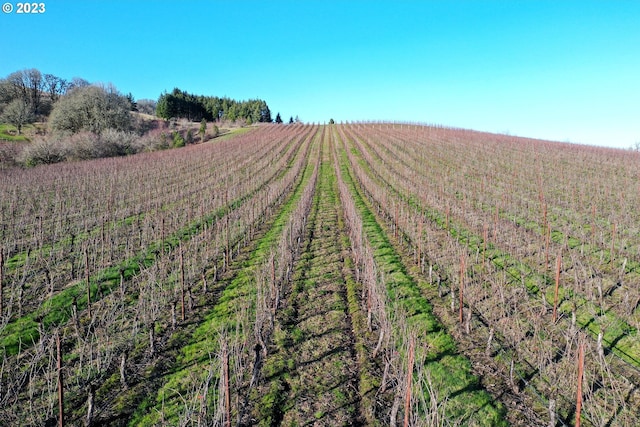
x=42, y=151
x=9, y=152
x=91, y=108
x=88, y=145
x=151, y=141
x=116, y=143
x=81, y=146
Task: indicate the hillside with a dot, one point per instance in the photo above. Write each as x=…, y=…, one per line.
x=352, y=274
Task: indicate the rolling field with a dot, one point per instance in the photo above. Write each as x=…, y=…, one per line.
x=353, y=274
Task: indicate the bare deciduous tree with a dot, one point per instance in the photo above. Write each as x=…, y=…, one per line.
x=18, y=113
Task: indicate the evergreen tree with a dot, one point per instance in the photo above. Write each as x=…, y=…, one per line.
x=278, y=118
x=178, y=140
x=165, y=108
x=132, y=101
x=203, y=129
x=291, y=120
x=265, y=113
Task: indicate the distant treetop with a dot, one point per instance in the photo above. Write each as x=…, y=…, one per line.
x=181, y=104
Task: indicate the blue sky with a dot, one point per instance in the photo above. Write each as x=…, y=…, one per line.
x=561, y=70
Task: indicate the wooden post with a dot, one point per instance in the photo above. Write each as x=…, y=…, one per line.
x=420, y=245
x=460, y=309
x=546, y=247
x=395, y=230
x=555, y=296
x=613, y=240
x=227, y=393
x=40, y=232
x=446, y=226
x=227, y=238
x=152, y=339
x=484, y=244
x=86, y=275
x=495, y=225
x=102, y=243
x=181, y=282
x=593, y=223
x=272, y=263
x=60, y=390
x=204, y=281
x=90, y=405
x=123, y=370
x=407, y=402
x=580, y=375
x=1, y=281
x=162, y=234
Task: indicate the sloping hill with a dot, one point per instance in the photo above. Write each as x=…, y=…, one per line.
x=353, y=274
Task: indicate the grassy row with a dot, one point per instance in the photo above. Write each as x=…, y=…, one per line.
x=235, y=305
x=440, y=227
x=55, y=311
x=313, y=325
x=127, y=331
x=619, y=335
x=450, y=373
x=530, y=193
x=368, y=382
x=137, y=397
x=118, y=228
x=517, y=274
x=18, y=260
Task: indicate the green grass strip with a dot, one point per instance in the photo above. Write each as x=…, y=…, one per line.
x=18, y=260
x=451, y=373
x=619, y=335
x=23, y=332
x=238, y=295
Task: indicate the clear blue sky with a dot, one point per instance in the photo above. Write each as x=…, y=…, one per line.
x=562, y=70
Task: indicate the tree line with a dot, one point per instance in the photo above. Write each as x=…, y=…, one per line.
x=76, y=105
x=181, y=104
x=85, y=120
